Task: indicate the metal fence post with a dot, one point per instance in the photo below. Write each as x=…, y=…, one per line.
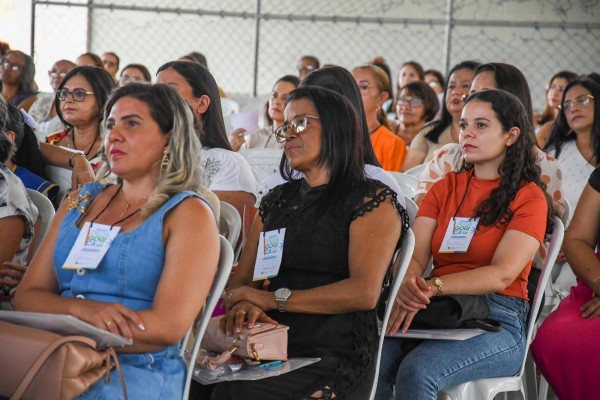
x=448, y=40
x=256, y=48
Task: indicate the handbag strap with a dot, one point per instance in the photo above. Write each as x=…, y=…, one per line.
x=48, y=351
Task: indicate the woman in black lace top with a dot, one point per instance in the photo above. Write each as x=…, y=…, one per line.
x=339, y=230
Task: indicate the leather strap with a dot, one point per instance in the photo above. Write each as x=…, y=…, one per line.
x=48, y=351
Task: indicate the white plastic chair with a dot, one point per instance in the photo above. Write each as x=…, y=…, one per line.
x=416, y=171
x=266, y=163
x=230, y=223
x=513, y=387
x=62, y=177
x=408, y=183
x=406, y=251
x=46, y=210
x=411, y=208
x=221, y=277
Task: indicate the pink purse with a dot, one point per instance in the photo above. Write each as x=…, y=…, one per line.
x=262, y=342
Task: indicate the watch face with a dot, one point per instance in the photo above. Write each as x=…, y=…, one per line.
x=283, y=293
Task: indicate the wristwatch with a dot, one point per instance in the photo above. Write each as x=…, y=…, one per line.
x=281, y=297
x=439, y=284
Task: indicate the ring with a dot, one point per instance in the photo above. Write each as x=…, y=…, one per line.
x=231, y=294
x=108, y=324
x=240, y=135
x=241, y=312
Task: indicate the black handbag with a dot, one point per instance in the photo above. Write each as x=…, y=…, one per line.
x=456, y=311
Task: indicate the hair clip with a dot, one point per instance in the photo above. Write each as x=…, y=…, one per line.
x=80, y=204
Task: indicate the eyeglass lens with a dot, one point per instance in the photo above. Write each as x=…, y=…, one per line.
x=77, y=94
x=581, y=100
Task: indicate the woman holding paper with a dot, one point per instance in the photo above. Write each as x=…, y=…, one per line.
x=225, y=172
x=264, y=138
x=499, y=195
x=338, y=231
x=149, y=280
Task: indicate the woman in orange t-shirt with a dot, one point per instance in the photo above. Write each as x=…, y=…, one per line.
x=497, y=195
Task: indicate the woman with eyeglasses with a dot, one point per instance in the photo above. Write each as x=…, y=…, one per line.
x=265, y=138
x=134, y=73
x=416, y=105
x=43, y=111
x=554, y=91
x=445, y=130
x=79, y=102
x=374, y=86
x=17, y=73
x=329, y=279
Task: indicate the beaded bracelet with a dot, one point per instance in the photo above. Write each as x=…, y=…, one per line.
x=72, y=157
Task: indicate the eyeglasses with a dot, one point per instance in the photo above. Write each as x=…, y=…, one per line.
x=557, y=88
x=54, y=74
x=131, y=79
x=364, y=87
x=298, y=125
x=308, y=68
x=582, y=100
x=109, y=63
x=77, y=94
x=414, y=101
x=11, y=66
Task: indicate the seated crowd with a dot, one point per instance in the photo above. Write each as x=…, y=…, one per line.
x=151, y=157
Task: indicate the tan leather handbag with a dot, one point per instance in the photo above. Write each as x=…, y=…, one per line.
x=262, y=342
x=38, y=364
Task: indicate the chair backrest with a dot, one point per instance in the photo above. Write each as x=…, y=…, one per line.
x=46, y=210
x=411, y=209
x=566, y=217
x=230, y=223
x=62, y=177
x=556, y=240
x=408, y=183
x=416, y=171
x=223, y=271
x=406, y=251
x=266, y=163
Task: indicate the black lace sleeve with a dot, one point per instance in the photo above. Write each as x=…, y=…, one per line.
x=379, y=194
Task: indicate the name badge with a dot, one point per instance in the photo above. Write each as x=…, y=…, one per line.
x=91, y=246
x=268, y=255
x=459, y=234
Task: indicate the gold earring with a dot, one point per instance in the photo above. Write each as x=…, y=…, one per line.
x=165, y=160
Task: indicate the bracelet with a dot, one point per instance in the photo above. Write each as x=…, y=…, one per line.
x=594, y=282
x=72, y=157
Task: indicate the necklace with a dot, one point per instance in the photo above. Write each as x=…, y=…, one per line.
x=127, y=204
x=373, y=131
x=86, y=153
x=109, y=203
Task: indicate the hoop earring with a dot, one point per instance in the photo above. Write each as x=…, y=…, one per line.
x=165, y=161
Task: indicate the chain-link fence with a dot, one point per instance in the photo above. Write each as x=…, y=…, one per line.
x=251, y=43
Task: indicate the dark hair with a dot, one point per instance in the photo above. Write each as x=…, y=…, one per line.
x=561, y=131
x=417, y=66
x=438, y=75
x=340, y=131
x=27, y=77
x=28, y=153
x=140, y=67
x=110, y=53
x=102, y=85
x=4, y=48
x=292, y=79
x=212, y=132
x=445, y=120
x=424, y=92
x=313, y=60
x=593, y=76
x=6, y=145
x=519, y=163
x=95, y=58
x=340, y=80
x=196, y=57
x=510, y=78
x=548, y=114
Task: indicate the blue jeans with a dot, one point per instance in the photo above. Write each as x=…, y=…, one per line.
x=437, y=364
x=156, y=375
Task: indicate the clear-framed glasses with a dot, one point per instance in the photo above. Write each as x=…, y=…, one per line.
x=307, y=68
x=582, y=100
x=364, y=87
x=413, y=101
x=11, y=66
x=77, y=94
x=131, y=79
x=557, y=88
x=55, y=74
x=297, y=125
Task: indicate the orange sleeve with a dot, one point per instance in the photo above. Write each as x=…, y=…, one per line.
x=526, y=207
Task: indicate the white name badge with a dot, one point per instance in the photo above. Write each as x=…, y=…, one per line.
x=91, y=246
x=459, y=235
x=268, y=255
